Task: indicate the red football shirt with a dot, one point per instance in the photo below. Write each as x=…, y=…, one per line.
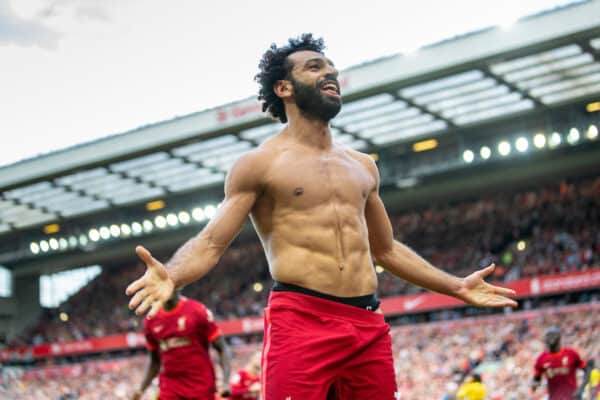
x=182, y=336
x=560, y=369
x=240, y=385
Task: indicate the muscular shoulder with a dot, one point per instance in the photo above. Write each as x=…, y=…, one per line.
x=572, y=352
x=366, y=160
x=248, y=170
x=149, y=323
x=195, y=305
x=541, y=358
x=201, y=310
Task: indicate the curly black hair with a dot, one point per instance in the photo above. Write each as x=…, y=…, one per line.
x=274, y=66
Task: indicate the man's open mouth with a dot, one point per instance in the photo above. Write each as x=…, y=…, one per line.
x=331, y=88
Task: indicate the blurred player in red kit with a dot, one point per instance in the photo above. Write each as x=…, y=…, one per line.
x=245, y=384
x=178, y=339
x=559, y=365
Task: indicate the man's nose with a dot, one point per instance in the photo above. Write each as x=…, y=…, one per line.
x=332, y=71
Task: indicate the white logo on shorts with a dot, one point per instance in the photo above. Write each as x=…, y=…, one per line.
x=396, y=395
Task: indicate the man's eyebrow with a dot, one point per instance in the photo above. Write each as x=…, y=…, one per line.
x=313, y=60
x=317, y=60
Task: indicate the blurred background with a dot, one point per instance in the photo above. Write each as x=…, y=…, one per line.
x=120, y=119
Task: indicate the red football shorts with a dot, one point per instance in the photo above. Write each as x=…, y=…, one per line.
x=318, y=349
x=169, y=395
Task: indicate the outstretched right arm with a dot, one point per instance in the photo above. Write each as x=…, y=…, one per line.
x=200, y=254
x=537, y=374
x=151, y=371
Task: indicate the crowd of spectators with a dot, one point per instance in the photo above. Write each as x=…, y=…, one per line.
x=503, y=349
x=115, y=379
x=430, y=359
x=110, y=378
x=548, y=230
x=545, y=230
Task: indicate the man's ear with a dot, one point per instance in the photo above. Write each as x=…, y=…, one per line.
x=283, y=88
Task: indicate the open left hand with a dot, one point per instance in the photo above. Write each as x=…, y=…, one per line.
x=477, y=292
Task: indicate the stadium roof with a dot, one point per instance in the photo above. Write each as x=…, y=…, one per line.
x=539, y=63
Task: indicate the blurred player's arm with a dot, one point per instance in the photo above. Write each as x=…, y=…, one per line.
x=225, y=362
x=537, y=375
x=408, y=265
x=200, y=254
x=535, y=382
x=151, y=372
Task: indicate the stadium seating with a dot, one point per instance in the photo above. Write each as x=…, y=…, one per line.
x=549, y=230
x=429, y=358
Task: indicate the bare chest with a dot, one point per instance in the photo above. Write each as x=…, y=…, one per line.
x=305, y=181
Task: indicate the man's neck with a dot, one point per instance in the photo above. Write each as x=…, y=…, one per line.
x=554, y=349
x=309, y=131
x=171, y=304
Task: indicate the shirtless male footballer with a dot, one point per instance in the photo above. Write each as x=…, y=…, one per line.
x=316, y=208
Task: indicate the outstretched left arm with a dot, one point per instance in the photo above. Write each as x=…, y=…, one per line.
x=408, y=265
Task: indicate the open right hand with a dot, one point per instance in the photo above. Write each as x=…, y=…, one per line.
x=153, y=289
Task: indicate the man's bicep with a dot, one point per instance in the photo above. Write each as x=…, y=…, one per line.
x=245, y=175
x=538, y=369
x=241, y=192
x=580, y=362
x=381, y=236
x=219, y=343
x=229, y=219
x=151, y=342
x=154, y=357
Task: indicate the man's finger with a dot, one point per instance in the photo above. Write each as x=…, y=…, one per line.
x=155, y=309
x=137, y=299
x=510, y=303
x=488, y=270
x=504, y=291
x=501, y=301
x=134, y=286
x=145, y=256
x=144, y=306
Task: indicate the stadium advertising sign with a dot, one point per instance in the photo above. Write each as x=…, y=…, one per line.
x=528, y=287
x=250, y=109
x=92, y=345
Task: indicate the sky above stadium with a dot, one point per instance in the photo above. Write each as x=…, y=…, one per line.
x=72, y=71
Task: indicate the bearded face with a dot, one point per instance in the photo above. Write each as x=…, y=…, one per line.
x=320, y=101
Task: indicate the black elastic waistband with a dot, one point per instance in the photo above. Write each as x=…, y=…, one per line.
x=368, y=302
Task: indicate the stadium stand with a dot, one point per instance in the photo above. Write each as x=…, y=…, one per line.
x=558, y=225
x=499, y=347
x=534, y=212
